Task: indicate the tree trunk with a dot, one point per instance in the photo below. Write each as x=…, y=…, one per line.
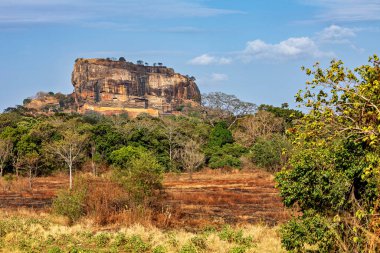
x=191, y=174
x=93, y=167
x=30, y=178
x=71, y=176
x=93, y=164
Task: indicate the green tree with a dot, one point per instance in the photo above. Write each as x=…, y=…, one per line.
x=220, y=135
x=69, y=148
x=333, y=175
x=271, y=153
x=5, y=153
x=123, y=157
x=220, y=106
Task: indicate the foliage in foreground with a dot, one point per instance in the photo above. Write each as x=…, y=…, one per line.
x=333, y=176
x=42, y=234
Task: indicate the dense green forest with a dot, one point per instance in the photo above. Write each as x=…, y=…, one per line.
x=326, y=160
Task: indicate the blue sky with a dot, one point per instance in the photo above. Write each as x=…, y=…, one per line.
x=251, y=48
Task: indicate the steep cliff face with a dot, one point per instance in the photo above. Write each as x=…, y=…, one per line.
x=101, y=83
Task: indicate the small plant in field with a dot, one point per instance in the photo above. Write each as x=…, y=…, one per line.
x=199, y=242
x=188, y=248
x=238, y=249
x=119, y=240
x=55, y=249
x=159, y=249
x=135, y=244
x=50, y=240
x=79, y=250
x=172, y=239
x=208, y=230
x=232, y=236
x=102, y=239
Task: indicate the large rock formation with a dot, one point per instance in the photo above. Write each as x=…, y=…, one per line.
x=111, y=86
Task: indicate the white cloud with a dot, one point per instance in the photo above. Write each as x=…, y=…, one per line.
x=206, y=59
x=346, y=10
x=336, y=34
x=288, y=49
x=217, y=77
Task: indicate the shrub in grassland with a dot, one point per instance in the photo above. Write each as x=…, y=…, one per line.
x=230, y=235
x=270, y=153
x=55, y=249
x=70, y=203
x=159, y=249
x=102, y=239
x=135, y=244
x=141, y=178
x=188, y=248
x=238, y=249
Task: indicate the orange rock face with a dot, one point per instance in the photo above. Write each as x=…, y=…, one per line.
x=101, y=83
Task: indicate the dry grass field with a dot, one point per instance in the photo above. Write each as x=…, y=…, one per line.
x=214, y=211
x=214, y=197
x=211, y=197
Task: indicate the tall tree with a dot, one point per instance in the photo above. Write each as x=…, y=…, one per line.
x=172, y=134
x=263, y=124
x=333, y=175
x=220, y=106
x=69, y=149
x=31, y=161
x=6, y=146
x=191, y=157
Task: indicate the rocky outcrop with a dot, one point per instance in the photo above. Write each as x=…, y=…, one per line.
x=112, y=87
x=119, y=85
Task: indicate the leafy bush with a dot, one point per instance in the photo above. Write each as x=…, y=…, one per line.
x=55, y=249
x=119, y=240
x=142, y=177
x=232, y=236
x=308, y=232
x=102, y=239
x=135, y=244
x=226, y=156
x=70, y=203
x=220, y=135
x=123, y=156
x=159, y=249
x=270, y=153
x=238, y=249
x=188, y=248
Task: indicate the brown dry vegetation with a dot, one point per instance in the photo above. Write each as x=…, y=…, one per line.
x=212, y=197
x=216, y=198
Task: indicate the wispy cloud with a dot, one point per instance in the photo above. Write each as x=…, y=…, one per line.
x=314, y=46
x=218, y=77
x=206, y=59
x=59, y=11
x=346, y=10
